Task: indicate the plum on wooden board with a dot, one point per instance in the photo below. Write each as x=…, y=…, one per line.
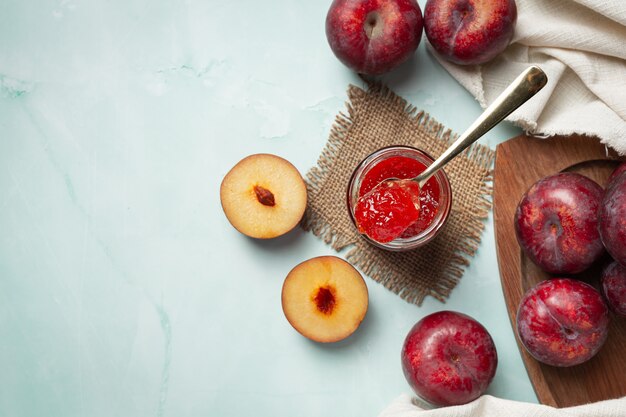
x=469, y=32
x=621, y=168
x=556, y=223
x=373, y=36
x=449, y=358
x=612, y=219
x=614, y=287
x=562, y=322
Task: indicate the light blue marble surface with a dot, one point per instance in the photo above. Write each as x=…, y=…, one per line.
x=123, y=289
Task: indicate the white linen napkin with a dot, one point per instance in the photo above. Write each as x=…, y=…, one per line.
x=581, y=45
x=488, y=406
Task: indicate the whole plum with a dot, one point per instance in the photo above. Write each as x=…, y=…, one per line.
x=470, y=32
x=562, y=322
x=449, y=358
x=556, y=223
x=612, y=219
x=374, y=36
x=614, y=287
x=621, y=168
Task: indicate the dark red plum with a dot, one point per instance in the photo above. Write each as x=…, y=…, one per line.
x=612, y=219
x=373, y=36
x=449, y=358
x=470, y=32
x=621, y=168
x=562, y=322
x=556, y=223
x=614, y=287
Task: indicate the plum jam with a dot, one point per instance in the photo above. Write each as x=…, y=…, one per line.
x=393, y=216
x=387, y=210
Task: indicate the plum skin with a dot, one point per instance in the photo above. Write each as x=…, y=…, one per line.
x=562, y=322
x=449, y=358
x=614, y=287
x=556, y=223
x=374, y=36
x=470, y=32
x=621, y=168
x=612, y=219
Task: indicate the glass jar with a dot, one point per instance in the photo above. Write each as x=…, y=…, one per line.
x=444, y=200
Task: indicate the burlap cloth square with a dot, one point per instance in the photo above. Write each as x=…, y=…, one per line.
x=377, y=118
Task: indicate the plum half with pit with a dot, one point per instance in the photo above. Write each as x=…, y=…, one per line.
x=562, y=322
x=325, y=299
x=612, y=219
x=556, y=223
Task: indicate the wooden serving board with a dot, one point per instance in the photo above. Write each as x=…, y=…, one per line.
x=520, y=162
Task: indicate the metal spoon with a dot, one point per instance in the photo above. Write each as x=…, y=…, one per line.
x=526, y=85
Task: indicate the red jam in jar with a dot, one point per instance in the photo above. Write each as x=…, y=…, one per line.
x=407, y=217
x=390, y=211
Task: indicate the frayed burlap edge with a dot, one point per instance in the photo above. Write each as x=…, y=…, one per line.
x=406, y=287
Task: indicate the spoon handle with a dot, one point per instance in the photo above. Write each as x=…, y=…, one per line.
x=526, y=85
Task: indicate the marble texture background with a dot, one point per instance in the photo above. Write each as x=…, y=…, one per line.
x=123, y=289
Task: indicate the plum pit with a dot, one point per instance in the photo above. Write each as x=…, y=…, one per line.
x=265, y=196
x=325, y=299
